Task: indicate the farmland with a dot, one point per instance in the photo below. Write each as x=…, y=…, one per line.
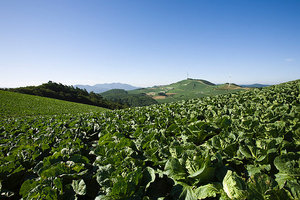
x=14, y=104
x=242, y=145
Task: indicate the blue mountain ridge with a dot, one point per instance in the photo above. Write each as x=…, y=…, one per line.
x=99, y=88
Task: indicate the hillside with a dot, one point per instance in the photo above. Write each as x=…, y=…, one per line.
x=99, y=88
x=13, y=104
x=186, y=89
x=132, y=100
x=227, y=147
x=67, y=93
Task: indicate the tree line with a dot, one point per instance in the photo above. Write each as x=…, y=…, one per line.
x=68, y=93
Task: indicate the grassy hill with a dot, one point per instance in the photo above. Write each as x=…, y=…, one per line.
x=187, y=89
x=13, y=104
x=67, y=93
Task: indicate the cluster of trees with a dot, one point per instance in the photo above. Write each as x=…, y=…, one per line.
x=131, y=100
x=68, y=93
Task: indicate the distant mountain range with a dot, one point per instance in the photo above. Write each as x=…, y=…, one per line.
x=181, y=90
x=256, y=85
x=99, y=88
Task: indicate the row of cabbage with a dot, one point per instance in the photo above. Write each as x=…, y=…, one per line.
x=235, y=146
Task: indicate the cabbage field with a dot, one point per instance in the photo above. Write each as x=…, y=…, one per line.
x=234, y=146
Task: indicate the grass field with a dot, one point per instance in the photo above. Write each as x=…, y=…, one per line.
x=18, y=105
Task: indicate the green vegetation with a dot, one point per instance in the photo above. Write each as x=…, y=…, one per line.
x=187, y=89
x=67, y=93
x=131, y=100
x=14, y=104
x=234, y=146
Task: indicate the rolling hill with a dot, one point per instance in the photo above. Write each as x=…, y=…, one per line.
x=187, y=89
x=13, y=104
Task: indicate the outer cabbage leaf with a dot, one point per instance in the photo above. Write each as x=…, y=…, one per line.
x=234, y=186
x=278, y=194
x=182, y=191
x=174, y=169
x=294, y=189
x=209, y=190
x=289, y=168
x=79, y=187
x=256, y=169
x=27, y=186
x=148, y=176
x=258, y=185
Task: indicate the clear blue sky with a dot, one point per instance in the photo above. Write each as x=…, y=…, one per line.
x=148, y=42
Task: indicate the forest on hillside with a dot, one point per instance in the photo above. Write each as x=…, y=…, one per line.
x=68, y=93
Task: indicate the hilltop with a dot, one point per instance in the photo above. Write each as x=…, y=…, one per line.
x=187, y=89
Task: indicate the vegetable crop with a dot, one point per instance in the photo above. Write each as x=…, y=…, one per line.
x=13, y=104
x=235, y=146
